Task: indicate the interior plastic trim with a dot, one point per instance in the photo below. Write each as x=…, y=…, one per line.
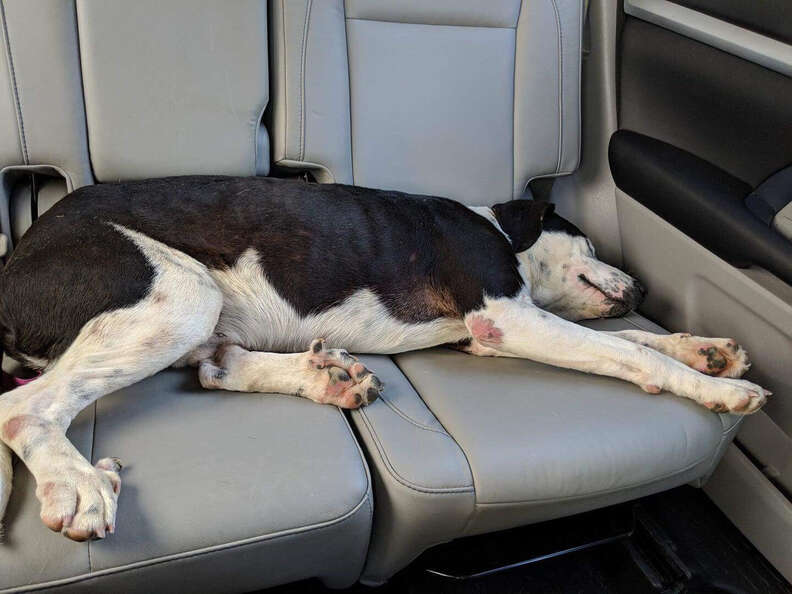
x=741, y=42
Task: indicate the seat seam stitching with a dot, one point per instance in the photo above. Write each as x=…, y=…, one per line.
x=243, y=542
x=17, y=98
x=560, y=85
x=515, y=175
x=84, y=122
x=429, y=408
x=303, y=49
x=362, y=457
x=604, y=491
x=407, y=418
x=349, y=96
x=285, y=101
x=369, y=482
x=198, y=552
x=348, y=18
x=395, y=474
x=637, y=325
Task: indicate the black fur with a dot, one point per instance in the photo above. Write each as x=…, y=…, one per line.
x=62, y=274
x=522, y=221
x=553, y=222
x=425, y=257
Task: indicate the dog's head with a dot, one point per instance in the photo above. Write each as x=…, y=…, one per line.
x=566, y=277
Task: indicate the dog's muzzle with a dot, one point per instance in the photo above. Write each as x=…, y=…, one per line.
x=631, y=298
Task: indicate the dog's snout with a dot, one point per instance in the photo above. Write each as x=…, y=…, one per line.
x=639, y=286
x=636, y=294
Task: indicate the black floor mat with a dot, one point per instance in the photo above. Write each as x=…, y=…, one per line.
x=678, y=542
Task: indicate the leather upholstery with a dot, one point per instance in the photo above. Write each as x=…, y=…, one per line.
x=422, y=478
x=42, y=119
x=421, y=98
x=175, y=88
x=234, y=492
x=538, y=442
x=221, y=492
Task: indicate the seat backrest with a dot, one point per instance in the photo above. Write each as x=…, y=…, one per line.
x=42, y=120
x=457, y=98
x=176, y=87
x=114, y=90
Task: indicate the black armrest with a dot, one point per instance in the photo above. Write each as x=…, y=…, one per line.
x=699, y=199
x=771, y=201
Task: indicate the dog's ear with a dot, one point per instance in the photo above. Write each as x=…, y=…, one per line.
x=522, y=220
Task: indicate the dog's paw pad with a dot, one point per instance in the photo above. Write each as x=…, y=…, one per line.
x=718, y=357
x=319, y=356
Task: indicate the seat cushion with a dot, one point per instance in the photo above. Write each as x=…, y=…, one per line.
x=518, y=442
x=541, y=441
x=221, y=492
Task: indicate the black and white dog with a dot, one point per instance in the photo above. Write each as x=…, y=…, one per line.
x=240, y=275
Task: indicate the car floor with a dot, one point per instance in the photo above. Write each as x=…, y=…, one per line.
x=677, y=541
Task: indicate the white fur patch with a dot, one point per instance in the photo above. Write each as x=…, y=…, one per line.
x=516, y=327
x=255, y=316
x=112, y=350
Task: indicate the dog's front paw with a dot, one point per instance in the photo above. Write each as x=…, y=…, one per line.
x=80, y=500
x=719, y=357
x=734, y=396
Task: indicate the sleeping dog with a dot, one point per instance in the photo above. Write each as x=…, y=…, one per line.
x=239, y=276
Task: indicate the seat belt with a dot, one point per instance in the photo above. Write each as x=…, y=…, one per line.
x=33, y=198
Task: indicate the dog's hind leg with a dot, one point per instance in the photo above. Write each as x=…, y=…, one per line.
x=721, y=357
x=328, y=376
x=111, y=351
x=516, y=327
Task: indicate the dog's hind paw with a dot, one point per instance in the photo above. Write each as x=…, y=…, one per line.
x=80, y=500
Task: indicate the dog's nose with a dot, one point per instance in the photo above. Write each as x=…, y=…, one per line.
x=635, y=296
x=640, y=287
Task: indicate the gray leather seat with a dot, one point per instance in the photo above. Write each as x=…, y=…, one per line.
x=470, y=100
x=456, y=98
x=222, y=491
x=231, y=492
x=463, y=445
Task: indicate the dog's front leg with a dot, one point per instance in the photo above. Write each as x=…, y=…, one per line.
x=516, y=327
x=721, y=357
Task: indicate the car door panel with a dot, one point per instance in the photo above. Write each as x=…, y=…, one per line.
x=705, y=117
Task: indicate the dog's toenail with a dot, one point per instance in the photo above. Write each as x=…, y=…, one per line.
x=371, y=395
